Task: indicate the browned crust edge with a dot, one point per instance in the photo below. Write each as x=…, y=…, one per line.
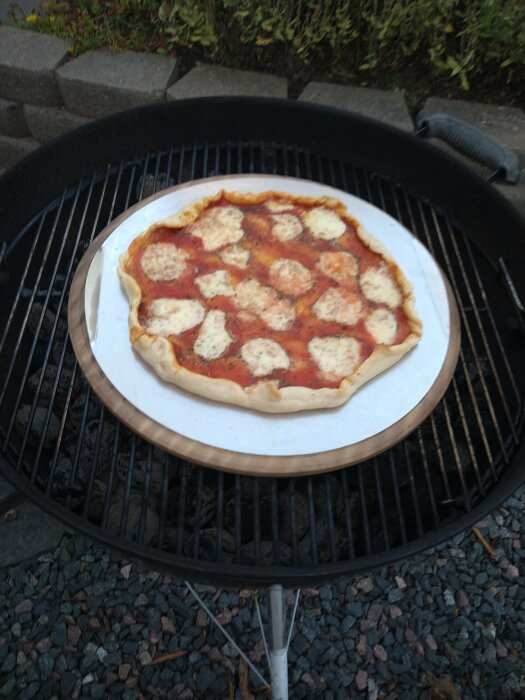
x=264, y=396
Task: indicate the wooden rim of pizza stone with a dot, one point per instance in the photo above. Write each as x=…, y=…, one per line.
x=221, y=458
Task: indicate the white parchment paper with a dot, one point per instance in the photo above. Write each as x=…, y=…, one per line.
x=376, y=406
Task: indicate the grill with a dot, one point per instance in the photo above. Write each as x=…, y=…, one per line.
x=63, y=449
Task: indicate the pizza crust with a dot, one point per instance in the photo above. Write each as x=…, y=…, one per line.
x=265, y=395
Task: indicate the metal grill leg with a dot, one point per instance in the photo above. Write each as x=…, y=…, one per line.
x=278, y=646
x=277, y=654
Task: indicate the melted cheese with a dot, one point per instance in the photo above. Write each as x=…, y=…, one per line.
x=379, y=287
x=324, y=223
x=236, y=256
x=279, y=316
x=251, y=295
x=215, y=284
x=213, y=338
x=339, y=305
x=278, y=205
x=286, y=227
x=263, y=356
x=382, y=326
x=341, y=267
x=164, y=261
x=254, y=298
x=290, y=277
x=173, y=316
x=336, y=356
x=218, y=226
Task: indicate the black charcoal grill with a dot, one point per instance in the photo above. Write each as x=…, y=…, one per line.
x=66, y=452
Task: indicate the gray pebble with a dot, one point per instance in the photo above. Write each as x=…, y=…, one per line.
x=46, y=663
x=354, y=609
x=30, y=691
x=71, y=569
x=448, y=597
x=6, y=690
x=395, y=595
x=203, y=681
x=383, y=670
x=9, y=663
x=98, y=690
x=505, y=666
x=113, y=658
x=153, y=619
x=347, y=623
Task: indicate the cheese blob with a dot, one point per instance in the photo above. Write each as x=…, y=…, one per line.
x=215, y=284
x=164, y=261
x=279, y=316
x=341, y=267
x=379, y=287
x=213, y=338
x=339, y=305
x=382, y=326
x=324, y=223
x=253, y=297
x=336, y=356
x=236, y=256
x=219, y=226
x=173, y=316
x=286, y=227
x=263, y=356
x=290, y=277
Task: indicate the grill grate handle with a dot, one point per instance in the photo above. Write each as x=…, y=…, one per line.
x=472, y=142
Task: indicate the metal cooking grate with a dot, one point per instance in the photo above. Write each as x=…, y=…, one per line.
x=56, y=434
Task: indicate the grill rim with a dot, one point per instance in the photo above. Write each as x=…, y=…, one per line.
x=204, y=571
x=509, y=481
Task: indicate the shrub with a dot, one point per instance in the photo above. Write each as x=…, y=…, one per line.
x=460, y=40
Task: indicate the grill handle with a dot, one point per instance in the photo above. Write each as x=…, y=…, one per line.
x=472, y=142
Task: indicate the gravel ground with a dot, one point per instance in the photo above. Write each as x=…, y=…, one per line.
x=79, y=622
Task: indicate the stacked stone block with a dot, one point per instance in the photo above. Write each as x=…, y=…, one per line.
x=44, y=92
x=27, y=74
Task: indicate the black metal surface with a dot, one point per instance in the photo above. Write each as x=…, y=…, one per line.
x=66, y=451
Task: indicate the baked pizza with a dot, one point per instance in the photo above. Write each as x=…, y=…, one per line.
x=269, y=301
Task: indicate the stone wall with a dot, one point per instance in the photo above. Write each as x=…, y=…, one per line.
x=44, y=93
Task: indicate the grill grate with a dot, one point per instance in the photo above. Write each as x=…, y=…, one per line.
x=56, y=434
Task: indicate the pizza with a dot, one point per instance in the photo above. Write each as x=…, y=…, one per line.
x=268, y=301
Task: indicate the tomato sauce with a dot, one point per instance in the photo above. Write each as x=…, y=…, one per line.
x=264, y=248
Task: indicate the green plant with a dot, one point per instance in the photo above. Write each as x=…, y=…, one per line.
x=461, y=38
x=456, y=41
x=117, y=24
x=188, y=23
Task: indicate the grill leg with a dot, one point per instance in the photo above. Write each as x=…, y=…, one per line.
x=278, y=645
x=277, y=654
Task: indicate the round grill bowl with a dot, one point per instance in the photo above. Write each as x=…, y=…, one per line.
x=66, y=452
